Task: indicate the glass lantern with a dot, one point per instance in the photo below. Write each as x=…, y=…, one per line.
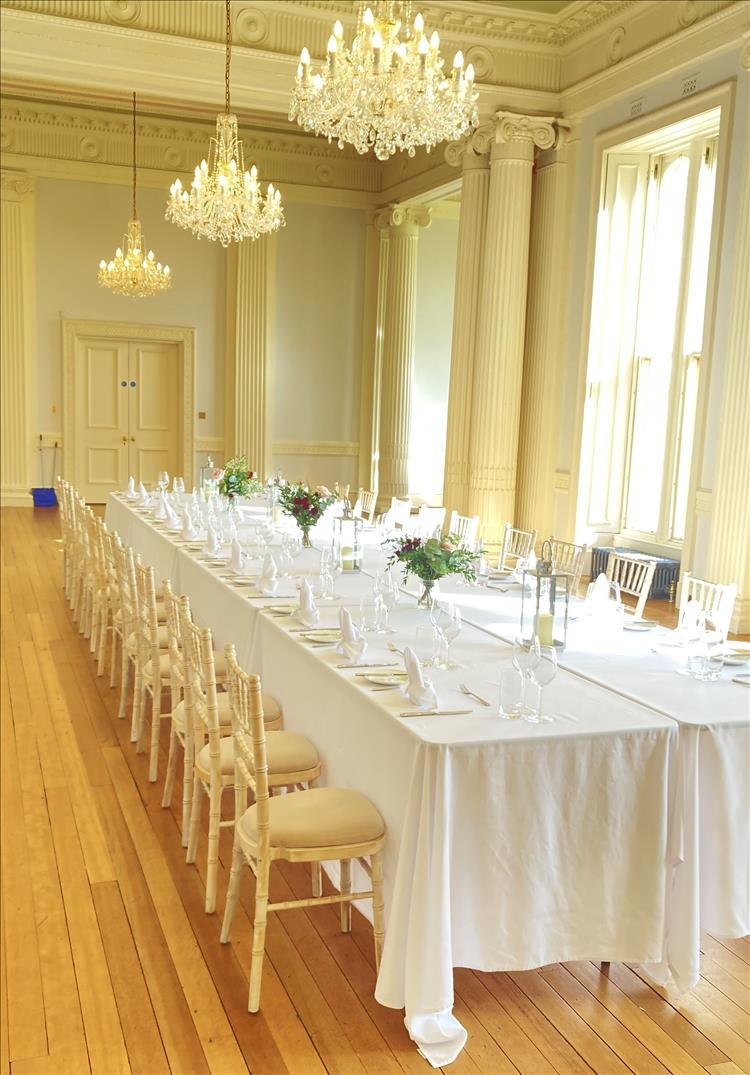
x=206, y=476
x=347, y=541
x=547, y=590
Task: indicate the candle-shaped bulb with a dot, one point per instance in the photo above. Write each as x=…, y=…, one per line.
x=435, y=40
x=102, y=264
x=424, y=45
x=150, y=255
x=368, y=18
x=111, y=266
x=469, y=74
x=377, y=40
x=418, y=22
x=458, y=60
x=304, y=57
x=332, y=45
x=254, y=172
x=118, y=252
x=338, y=30
x=166, y=270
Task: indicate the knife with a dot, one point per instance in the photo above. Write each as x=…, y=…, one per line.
x=371, y=664
x=434, y=712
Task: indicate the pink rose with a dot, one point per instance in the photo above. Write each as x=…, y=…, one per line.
x=323, y=490
x=218, y=474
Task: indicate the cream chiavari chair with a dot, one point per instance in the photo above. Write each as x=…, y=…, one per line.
x=113, y=551
x=126, y=620
x=466, y=527
x=101, y=610
x=80, y=560
x=302, y=826
x=152, y=669
x=633, y=576
x=517, y=545
x=365, y=506
x=716, y=599
x=64, y=494
x=292, y=759
x=398, y=515
x=570, y=558
x=427, y=522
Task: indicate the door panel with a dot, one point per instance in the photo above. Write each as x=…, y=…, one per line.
x=102, y=406
x=154, y=411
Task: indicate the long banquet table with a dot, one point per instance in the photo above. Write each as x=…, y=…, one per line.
x=509, y=845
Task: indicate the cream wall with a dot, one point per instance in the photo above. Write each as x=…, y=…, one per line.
x=616, y=112
x=78, y=224
x=436, y=271
x=317, y=342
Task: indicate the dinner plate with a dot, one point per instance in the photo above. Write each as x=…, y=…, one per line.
x=325, y=634
x=281, y=610
x=736, y=658
x=392, y=679
x=640, y=625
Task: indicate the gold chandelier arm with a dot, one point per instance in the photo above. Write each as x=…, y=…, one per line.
x=135, y=215
x=229, y=57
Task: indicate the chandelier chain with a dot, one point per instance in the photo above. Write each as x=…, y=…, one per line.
x=135, y=214
x=228, y=57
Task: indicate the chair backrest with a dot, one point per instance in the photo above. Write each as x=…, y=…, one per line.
x=125, y=568
x=172, y=616
x=570, y=558
x=147, y=618
x=365, y=506
x=399, y=512
x=465, y=527
x=201, y=705
x=517, y=545
x=714, y=598
x=248, y=729
x=633, y=575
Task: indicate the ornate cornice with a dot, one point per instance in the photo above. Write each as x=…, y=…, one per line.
x=539, y=130
x=397, y=216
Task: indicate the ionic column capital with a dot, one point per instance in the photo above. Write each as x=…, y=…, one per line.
x=405, y=218
x=471, y=152
x=540, y=131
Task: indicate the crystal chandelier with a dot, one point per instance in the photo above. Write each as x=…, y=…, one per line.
x=386, y=92
x=134, y=273
x=225, y=201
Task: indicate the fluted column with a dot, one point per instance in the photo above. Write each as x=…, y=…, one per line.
x=247, y=382
x=496, y=390
x=473, y=156
x=729, y=549
x=402, y=224
x=545, y=328
x=17, y=358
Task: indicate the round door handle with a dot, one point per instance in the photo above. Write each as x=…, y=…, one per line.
x=132, y=384
x=124, y=440
x=123, y=384
x=132, y=440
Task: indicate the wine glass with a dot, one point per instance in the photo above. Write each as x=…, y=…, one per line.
x=426, y=644
x=162, y=480
x=541, y=673
x=449, y=624
x=178, y=486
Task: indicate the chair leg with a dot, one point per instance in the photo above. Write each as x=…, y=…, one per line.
x=214, y=828
x=187, y=791
x=113, y=659
x=345, y=884
x=317, y=878
x=139, y=705
x=153, y=762
x=376, y=861
x=171, y=767
x=195, y=818
x=124, y=682
x=103, y=630
x=259, y=934
x=233, y=891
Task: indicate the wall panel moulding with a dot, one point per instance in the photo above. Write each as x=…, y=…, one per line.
x=37, y=131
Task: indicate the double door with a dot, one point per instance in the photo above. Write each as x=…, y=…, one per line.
x=127, y=416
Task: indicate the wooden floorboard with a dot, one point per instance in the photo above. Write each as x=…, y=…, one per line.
x=109, y=963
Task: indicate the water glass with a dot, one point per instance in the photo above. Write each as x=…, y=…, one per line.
x=512, y=694
x=162, y=480
x=178, y=486
x=368, y=615
x=426, y=644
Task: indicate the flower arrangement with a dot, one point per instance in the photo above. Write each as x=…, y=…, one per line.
x=304, y=505
x=431, y=560
x=236, y=480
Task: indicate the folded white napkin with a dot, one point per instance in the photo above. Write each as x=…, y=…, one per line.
x=213, y=542
x=307, y=612
x=189, y=532
x=143, y=497
x=173, y=519
x=599, y=595
x=131, y=493
x=160, y=508
x=237, y=559
x=418, y=689
x=353, y=644
x=268, y=582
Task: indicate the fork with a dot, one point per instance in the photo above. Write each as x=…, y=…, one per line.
x=394, y=649
x=465, y=690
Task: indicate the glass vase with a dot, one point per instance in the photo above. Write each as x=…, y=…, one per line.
x=427, y=594
x=306, y=542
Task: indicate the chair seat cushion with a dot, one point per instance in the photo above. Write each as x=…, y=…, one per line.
x=164, y=668
x=161, y=615
x=271, y=712
x=320, y=817
x=163, y=640
x=287, y=752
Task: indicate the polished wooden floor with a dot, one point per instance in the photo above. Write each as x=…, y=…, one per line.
x=109, y=963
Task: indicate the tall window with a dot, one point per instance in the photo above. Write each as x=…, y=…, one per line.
x=651, y=272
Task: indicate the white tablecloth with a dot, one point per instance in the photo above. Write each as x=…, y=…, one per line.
x=509, y=845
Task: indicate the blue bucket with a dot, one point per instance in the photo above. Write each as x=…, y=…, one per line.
x=44, y=498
